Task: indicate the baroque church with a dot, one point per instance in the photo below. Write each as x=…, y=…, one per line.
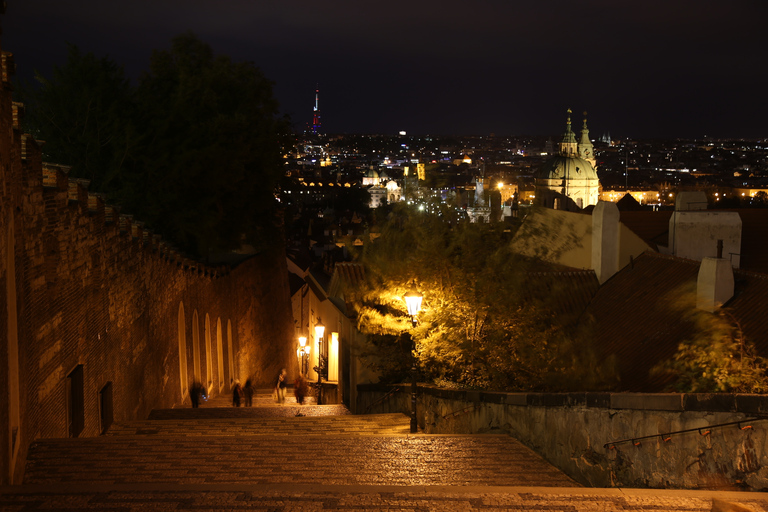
x=568, y=180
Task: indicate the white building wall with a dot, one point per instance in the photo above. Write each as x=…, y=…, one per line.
x=694, y=235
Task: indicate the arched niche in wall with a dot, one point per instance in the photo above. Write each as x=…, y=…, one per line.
x=231, y=354
x=220, y=354
x=196, y=347
x=208, y=361
x=14, y=416
x=182, y=352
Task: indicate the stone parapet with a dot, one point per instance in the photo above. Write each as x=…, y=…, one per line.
x=709, y=441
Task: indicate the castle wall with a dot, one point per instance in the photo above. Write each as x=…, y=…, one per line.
x=86, y=292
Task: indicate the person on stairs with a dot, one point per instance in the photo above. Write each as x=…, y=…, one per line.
x=237, y=392
x=248, y=392
x=196, y=391
x=280, y=386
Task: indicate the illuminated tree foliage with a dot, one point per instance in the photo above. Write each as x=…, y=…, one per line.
x=489, y=317
x=717, y=358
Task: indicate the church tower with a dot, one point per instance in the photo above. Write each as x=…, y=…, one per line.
x=568, y=146
x=568, y=180
x=586, y=150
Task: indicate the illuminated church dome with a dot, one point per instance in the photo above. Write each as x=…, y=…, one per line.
x=371, y=177
x=569, y=168
x=567, y=181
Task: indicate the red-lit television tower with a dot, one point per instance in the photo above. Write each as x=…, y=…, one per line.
x=316, y=114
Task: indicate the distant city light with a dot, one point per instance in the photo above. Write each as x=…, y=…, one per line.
x=402, y=133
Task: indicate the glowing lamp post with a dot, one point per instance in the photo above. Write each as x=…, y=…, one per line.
x=303, y=354
x=319, y=332
x=413, y=304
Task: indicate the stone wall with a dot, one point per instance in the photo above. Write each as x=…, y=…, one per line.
x=580, y=432
x=85, y=289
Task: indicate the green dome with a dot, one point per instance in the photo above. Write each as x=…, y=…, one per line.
x=571, y=168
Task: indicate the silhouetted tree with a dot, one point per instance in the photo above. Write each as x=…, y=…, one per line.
x=212, y=159
x=83, y=113
x=194, y=150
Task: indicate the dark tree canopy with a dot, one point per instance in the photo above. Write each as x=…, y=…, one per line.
x=83, y=114
x=213, y=154
x=193, y=150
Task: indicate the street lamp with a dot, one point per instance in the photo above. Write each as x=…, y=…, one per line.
x=319, y=331
x=303, y=353
x=413, y=304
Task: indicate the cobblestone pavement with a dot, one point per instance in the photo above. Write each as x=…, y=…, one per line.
x=266, y=458
x=221, y=425
x=284, y=411
x=295, y=498
x=331, y=460
x=261, y=398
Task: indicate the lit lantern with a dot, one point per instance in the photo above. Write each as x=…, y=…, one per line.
x=413, y=303
x=319, y=330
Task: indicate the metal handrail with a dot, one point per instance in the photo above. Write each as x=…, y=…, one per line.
x=466, y=410
x=387, y=395
x=666, y=437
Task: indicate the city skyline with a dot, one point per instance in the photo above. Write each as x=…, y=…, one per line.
x=685, y=69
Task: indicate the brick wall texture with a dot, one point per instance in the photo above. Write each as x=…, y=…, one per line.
x=76, y=289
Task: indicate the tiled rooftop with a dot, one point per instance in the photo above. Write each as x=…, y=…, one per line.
x=640, y=318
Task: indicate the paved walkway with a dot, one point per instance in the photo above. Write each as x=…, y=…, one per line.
x=269, y=459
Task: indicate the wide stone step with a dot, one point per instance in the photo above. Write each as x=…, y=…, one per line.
x=329, y=460
x=290, y=497
x=261, y=398
x=374, y=424
x=285, y=411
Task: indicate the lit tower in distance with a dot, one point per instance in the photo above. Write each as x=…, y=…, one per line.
x=316, y=113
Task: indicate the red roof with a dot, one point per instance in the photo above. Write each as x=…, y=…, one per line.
x=652, y=227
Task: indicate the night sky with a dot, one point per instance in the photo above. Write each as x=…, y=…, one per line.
x=652, y=68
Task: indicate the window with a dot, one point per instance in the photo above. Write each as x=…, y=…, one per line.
x=333, y=357
x=75, y=402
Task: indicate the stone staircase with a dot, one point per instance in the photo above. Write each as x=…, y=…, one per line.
x=293, y=457
x=270, y=444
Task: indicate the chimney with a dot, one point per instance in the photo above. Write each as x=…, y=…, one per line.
x=605, y=240
x=714, y=286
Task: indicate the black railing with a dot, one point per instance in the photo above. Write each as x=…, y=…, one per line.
x=381, y=399
x=667, y=436
x=466, y=410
